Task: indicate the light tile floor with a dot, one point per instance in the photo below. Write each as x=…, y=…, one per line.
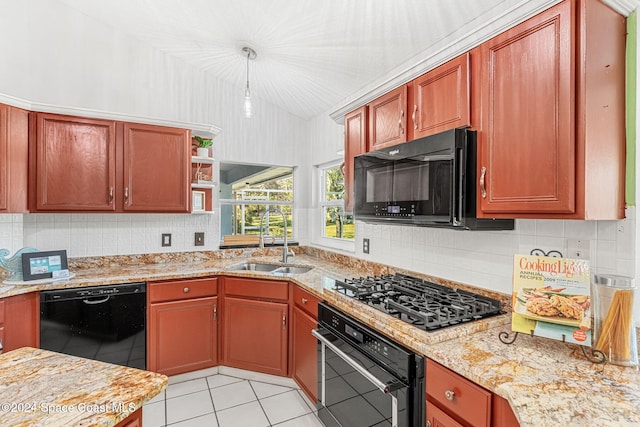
x=228, y=397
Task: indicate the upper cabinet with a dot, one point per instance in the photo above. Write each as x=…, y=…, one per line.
x=440, y=99
x=388, y=119
x=551, y=143
x=157, y=169
x=14, y=138
x=355, y=143
x=92, y=165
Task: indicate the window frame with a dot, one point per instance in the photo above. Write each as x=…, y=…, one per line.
x=324, y=203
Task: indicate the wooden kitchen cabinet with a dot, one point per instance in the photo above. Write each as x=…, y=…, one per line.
x=157, y=169
x=14, y=159
x=305, y=345
x=501, y=413
x=92, y=165
x=440, y=99
x=355, y=143
x=256, y=325
x=133, y=420
x=73, y=164
x=19, y=321
x=182, y=332
x=551, y=143
x=460, y=399
x=388, y=119
x=438, y=418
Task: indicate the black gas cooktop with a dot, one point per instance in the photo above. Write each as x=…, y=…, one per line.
x=424, y=304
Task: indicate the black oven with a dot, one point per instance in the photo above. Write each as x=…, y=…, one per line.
x=426, y=182
x=366, y=380
x=105, y=323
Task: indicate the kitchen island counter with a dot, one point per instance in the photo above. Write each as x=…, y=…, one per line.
x=44, y=388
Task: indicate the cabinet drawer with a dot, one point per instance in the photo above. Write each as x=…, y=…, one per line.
x=306, y=301
x=256, y=288
x=1, y=312
x=459, y=396
x=182, y=289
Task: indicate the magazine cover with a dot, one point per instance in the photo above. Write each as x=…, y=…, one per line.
x=552, y=298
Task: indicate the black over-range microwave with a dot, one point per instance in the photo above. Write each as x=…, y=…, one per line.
x=426, y=182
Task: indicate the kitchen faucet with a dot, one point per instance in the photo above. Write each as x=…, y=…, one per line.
x=286, y=253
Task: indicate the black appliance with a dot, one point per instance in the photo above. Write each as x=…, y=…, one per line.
x=424, y=304
x=426, y=182
x=105, y=323
x=366, y=380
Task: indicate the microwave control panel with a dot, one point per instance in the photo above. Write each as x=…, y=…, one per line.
x=396, y=210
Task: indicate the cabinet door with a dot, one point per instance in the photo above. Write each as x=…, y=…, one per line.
x=22, y=321
x=305, y=353
x=441, y=99
x=14, y=160
x=501, y=413
x=388, y=119
x=157, y=165
x=74, y=164
x=355, y=143
x=438, y=418
x=526, y=144
x=182, y=335
x=133, y=420
x=255, y=335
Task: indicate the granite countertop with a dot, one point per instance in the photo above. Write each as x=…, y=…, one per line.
x=44, y=388
x=546, y=382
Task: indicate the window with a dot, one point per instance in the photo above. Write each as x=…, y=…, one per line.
x=247, y=191
x=336, y=223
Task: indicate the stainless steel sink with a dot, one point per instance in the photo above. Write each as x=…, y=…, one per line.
x=254, y=266
x=291, y=270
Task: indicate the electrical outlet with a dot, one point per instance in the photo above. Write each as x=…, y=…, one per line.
x=199, y=239
x=166, y=239
x=578, y=248
x=365, y=246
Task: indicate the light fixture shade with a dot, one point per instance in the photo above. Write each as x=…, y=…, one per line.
x=247, y=108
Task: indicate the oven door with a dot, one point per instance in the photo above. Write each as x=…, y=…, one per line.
x=354, y=390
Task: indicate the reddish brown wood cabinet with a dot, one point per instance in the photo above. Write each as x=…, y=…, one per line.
x=256, y=325
x=133, y=420
x=438, y=418
x=305, y=345
x=20, y=321
x=551, y=143
x=157, y=169
x=182, y=332
x=14, y=159
x=501, y=413
x=388, y=119
x=440, y=99
x=355, y=143
x=81, y=164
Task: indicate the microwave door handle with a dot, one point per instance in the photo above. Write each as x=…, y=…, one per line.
x=460, y=176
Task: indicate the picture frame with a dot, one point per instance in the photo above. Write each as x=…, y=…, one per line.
x=43, y=264
x=198, y=201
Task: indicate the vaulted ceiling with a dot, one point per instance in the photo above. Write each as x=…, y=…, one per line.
x=311, y=54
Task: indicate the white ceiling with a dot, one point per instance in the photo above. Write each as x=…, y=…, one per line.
x=312, y=54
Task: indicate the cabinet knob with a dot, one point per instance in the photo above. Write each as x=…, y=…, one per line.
x=185, y=290
x=450, y=395
x=304, y=300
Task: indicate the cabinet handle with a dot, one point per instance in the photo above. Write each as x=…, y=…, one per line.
x=413, y=116
x=400, y=122
x=483, y=189
x=304, y=300
x=450, y=395
x=185, y=290
x=126, y=194
x=284, y=321
x=215, y=312
x=110, y=195
x=428, y=423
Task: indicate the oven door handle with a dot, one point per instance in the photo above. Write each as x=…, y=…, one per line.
x=94, y=302
x=384, y=387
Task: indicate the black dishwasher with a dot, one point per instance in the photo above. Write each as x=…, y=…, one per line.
x=105, y=323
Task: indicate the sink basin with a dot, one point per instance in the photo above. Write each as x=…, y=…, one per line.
x=291, y=270
x=254, y=266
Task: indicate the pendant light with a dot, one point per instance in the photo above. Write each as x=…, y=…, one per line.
x=247, y=107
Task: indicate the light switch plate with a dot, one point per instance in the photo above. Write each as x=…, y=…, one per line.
x=365, y=246
x=199, y=239
x=166, y=239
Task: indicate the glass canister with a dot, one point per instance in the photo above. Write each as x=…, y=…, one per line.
x=614, y=332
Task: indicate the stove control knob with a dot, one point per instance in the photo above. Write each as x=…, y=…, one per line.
x=450, y=395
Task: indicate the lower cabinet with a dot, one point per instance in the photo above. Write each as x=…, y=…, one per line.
x=182, y=333
x=501, y=413
x=256, y=325
x=438, y=418
x=19, y=321
x=133, y=420
x=305, y=345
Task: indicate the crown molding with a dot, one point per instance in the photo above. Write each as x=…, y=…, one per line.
x=200, y=129
x=623, y=7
